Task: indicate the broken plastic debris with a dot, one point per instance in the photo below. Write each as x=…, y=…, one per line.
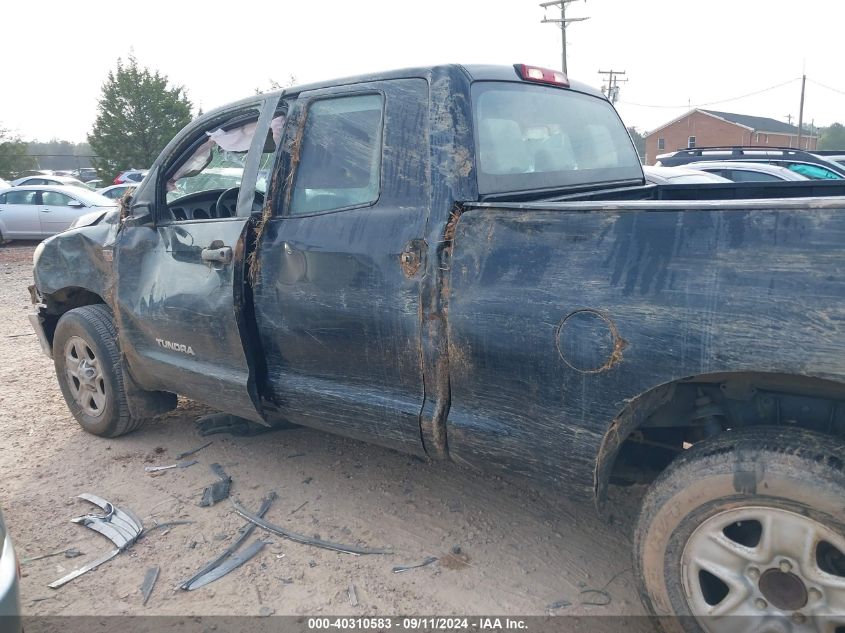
x=149, y=582
x=121, y=527
x=301, y=538
x=217, y=491
x=428, y=561
x=201, y=577
x=156, y=469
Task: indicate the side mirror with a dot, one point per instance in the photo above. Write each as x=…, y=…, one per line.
x=137, y=215
x=76, y=204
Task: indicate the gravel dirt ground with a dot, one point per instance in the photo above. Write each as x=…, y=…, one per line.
x=524, y=550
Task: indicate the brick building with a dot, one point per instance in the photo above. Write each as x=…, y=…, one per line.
x=709, y=128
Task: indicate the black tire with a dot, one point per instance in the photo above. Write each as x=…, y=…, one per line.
x=89, y=332
x=778, y=474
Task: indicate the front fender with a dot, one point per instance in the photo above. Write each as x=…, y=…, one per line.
x=78, y=258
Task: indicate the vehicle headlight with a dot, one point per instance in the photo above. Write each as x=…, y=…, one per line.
x=37, y=254
x=2, y=533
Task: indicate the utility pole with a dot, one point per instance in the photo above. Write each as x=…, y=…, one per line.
x=801, y=111
x=789, y=119
x=563, y=22
x=612, y=84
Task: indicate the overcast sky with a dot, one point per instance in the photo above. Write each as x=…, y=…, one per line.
x=56, y=54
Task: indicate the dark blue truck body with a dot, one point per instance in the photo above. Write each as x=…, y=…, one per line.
x=541, y=332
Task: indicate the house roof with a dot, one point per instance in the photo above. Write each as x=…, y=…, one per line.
x=752, y=123
x=756, y=123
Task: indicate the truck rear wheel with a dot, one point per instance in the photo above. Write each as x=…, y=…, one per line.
x=746, y=529
x=87, y=361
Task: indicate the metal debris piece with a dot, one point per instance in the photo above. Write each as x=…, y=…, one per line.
x=149, y=582
x=156, y=469
x=299, y=507
x=121, y=527
x=428, y=561
x=226, y=423
x=70, y=552
x=560, y=604
x=353, y=595
x=232, y=562
x=164, y=526
x=602, y=598
x=301, y=538
x=246, y=531
x=217, y=491
x=194, y=450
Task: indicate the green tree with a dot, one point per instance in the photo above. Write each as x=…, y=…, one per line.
x=833, y=137
x=639, y=141
x=137, y=115
x=14, y=157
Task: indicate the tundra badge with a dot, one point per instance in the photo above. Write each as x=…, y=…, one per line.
x=176, y=347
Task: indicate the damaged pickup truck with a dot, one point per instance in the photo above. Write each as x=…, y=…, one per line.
x=465, y=263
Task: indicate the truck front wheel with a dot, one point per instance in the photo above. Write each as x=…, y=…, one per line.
x=745, y=530
x=87, y=361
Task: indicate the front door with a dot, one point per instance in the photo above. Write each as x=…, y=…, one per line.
x=337, y=311
x=19, y=214
x=181, y=281
x=57, y=211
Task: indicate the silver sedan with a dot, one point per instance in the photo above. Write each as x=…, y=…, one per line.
x=32, y=213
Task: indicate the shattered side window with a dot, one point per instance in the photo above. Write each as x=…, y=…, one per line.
x=340, y=159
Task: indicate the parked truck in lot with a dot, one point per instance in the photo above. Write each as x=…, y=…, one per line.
x=466, y=263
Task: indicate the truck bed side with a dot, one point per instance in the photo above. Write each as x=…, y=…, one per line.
x=560, y=314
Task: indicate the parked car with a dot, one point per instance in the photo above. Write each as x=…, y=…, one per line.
x=34, y=212
x=837, y=156
x=804, y=163
x=130, y=175
x=85, y=174
x=465, y=263
x=679, y=175
x=10, y=600
x=34, y=172
x=65, y=181
x=742, y=171
x=4, y=184
x=114, y=192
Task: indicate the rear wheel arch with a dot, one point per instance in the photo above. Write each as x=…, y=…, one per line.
x=676, y=413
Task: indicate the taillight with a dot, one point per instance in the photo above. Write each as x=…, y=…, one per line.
x=541, y=75
x=117, y=179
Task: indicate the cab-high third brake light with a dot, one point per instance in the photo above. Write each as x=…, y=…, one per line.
x=541, y=75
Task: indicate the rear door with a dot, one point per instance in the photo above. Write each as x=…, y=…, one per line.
x=181, y=282
x=19, y=217
x=337, y=311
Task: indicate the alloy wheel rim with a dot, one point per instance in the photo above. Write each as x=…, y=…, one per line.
x=85, y=376
x=776, y=569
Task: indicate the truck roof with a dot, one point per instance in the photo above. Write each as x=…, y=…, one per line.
x=475, y=72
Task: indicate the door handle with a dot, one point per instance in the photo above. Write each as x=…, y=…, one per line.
x=45, y=210
x=217, y=254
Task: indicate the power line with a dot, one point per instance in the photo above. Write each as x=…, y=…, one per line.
x=698, y=105
x=818, y=83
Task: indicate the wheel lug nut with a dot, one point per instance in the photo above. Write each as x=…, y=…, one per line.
x=785, y=566
x=814, y=594
x=754, y=573
x=760, y=603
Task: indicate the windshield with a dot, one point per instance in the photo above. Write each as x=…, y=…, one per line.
x=538, y=137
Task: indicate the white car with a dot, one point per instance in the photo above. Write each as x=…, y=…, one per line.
x=67, y=181
x=33, y=212
x=4, y=184
x=744, y=171
x=678, y=176
x=115, y=192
